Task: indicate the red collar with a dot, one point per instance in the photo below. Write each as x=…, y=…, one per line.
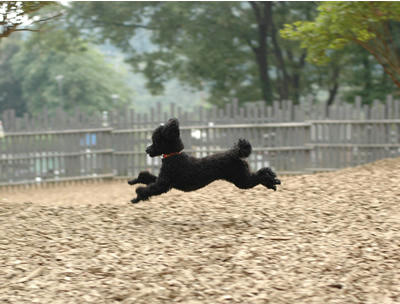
x=170, y=154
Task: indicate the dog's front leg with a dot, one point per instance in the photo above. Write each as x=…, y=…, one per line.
x=144, y=177
x=143, y=193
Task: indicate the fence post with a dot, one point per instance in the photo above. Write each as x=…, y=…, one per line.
x=329, y=142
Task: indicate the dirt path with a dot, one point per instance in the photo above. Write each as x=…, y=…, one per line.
x=323, y=238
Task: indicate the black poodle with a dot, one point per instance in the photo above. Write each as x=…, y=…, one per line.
x=187, y=173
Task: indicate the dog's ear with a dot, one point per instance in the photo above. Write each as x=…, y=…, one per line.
x=171, y=128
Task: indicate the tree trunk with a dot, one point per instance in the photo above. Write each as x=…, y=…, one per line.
x=295, y=78
x=333, y=90
x=285, y=81
x=261, y=11
x=367, y=79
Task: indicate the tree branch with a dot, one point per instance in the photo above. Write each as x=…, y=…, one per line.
x=388, y=34
x=49, y=18
x=14, y=27
x=256, y=10
x=379, y=59
x=121, y=24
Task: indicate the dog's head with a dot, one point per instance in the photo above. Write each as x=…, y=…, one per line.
x=166, y=139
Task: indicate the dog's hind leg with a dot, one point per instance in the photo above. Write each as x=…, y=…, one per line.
x=247, y=179
x=144, y=177
x=268, y=178
x=239, y=174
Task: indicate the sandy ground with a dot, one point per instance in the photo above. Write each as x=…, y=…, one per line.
x=322, y=238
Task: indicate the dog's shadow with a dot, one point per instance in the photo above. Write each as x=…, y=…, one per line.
x=220, y=225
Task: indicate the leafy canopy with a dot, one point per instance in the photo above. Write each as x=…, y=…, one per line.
x=17, y=16
x=10, y=87
x=197, y=42
x=230, y=49
x=371, y=25
x=57, y=69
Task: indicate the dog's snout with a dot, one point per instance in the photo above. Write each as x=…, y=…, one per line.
x=148, y=149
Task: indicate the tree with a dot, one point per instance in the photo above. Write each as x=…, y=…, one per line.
x=57, y=69
x=10, y=87
x=16, y=16
x=374, y=26
x=364, y=76
x=231, y=48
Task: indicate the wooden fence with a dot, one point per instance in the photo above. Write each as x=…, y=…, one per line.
x=290, y=138
x=232, y=113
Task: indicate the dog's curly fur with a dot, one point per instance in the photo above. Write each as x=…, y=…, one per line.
x=187, y=173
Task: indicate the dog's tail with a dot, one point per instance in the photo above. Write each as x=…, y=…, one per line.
x=242, y=148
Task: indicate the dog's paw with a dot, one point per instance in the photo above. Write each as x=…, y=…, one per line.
x=135, y=200
x=132, y=181
x=270, y=180
x=276, y=181
x=270, y=172
x=273, y=184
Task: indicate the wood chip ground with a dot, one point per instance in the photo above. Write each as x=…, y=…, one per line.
x=322, y=238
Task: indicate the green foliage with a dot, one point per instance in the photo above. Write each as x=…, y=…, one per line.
x=10, y=88
x=206, y=45
x=366, y=78
x=219, y=47
x=16, y=16
x=87, y=81
x=371, y=25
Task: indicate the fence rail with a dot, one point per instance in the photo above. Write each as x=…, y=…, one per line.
x=103, y=153
x=233, y=113
x=63, y=147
